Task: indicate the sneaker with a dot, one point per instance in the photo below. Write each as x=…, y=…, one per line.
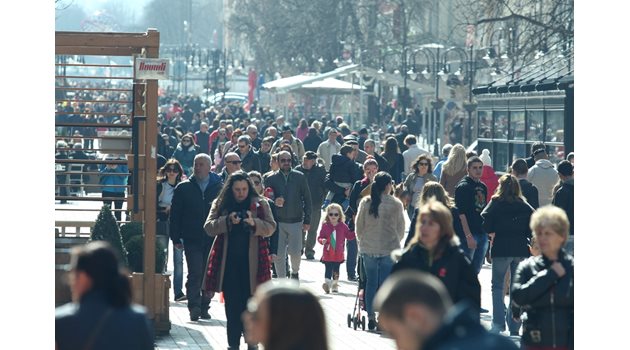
x=181, y=297
x=195, y=314
x=335, y=287
x=205, y=315
x=295, y=276
x=326, y=287
x=352, y=278
x=484, y=311
x=310, y=257
x=371, y=324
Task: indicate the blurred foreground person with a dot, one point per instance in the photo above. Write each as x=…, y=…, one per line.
x=543, y=285
x=283, y=316
x=416, y=310
x=101, y=315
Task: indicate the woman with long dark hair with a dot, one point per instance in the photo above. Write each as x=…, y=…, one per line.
x=506, y=219
x=285, y=317
x=239, y=259
x=167, y=178
x=101, y=315
x=394, y=158
x=380, y=228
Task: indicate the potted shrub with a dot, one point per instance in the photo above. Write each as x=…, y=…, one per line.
x=106, y=229
x=135, y=254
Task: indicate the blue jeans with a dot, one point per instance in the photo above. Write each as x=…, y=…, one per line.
x=480, y=253
x=499, y=317
x=178, y=271
x=377, y=268
x=351, y=261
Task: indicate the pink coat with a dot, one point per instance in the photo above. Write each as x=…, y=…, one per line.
x=343, y=233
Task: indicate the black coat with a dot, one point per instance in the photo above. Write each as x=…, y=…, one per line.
x=452, y=268
x=251, y=161
x=311, y=143
x=546, y=299
x=564, y=199
x=396, y=166
x=315, y=176
x=510, y=223
x=530, y=192
x=190, y=208
x=461, y=330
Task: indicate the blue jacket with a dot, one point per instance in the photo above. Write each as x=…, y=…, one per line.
x=109, y=177
x=125, y=328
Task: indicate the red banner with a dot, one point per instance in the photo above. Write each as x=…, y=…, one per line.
x=252, y=80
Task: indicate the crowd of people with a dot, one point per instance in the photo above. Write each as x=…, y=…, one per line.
x=241, y=194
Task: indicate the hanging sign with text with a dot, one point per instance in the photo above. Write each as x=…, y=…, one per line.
x=151, y=68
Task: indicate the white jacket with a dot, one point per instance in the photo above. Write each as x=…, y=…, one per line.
x=544, y=176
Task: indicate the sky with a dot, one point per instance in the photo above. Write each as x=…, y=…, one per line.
x=95, y=5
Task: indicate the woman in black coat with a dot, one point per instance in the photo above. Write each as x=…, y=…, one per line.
x=394, y=159
x=506, y=219
x=435, y=249
x=312, y=140
x=543, y=285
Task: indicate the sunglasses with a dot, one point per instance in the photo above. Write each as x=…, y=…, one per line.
x=171, y=170
x=333, y=214
x=423, y=164
x=234, y=162
x=285, y=160
x=256, y=183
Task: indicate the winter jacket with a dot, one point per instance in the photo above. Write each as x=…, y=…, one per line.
x=325, y=152
x=470, y=199
x=315, y=176
x=510, y=223
x=564, y=199
x=457, y=227
x=546, y=299
x=410, y=183
x=396, y=166
x=452, y=268
x=461, y=329
x=544, y=177
x=250, y=161
x=342, y=233
x=349, y=172
x=202, y=139
x=111, y=176
x=380, y=236
x=186, y=157
x=530, y=192
x=490, y=179
x=190, y=208
x=311, y=143
x=297, y=196
x=218, y=223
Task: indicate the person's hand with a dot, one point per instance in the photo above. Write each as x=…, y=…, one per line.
x=323, y=240
x=179, y=246
x=249, y=220
x=279, y=202
x=167, y=209
x=234, y=218
x=306, y=227
x=558, y=268
x=471, y=242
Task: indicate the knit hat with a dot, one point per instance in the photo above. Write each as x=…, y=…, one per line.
x=485, y=157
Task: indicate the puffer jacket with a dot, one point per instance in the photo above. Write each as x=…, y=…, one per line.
x=544, y=176
x=510, y=223
x=380, y=236
x=546, y=300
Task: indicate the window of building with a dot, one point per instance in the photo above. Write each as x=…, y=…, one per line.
x=485, y=124
x=500, y=125
x=517, y=125
x=555, y=126
x=535, y=125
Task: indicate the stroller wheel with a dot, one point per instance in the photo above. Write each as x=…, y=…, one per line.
x=355, y=324
x=363, y=322
x=349, y=321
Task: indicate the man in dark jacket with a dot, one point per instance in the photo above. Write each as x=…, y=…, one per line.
x=415, y=308
x=530, y=192
x=470, y=199
x=535, y=147
x=293, y=202
x=315, y=176
x=564, y=198
x=189, y=209
x=249, y=158
x=202, y=138
x=370, y=149
x=342, y=170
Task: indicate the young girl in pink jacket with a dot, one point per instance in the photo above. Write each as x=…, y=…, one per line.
x=333, y=235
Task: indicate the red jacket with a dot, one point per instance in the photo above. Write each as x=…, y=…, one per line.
x=343, y=233
x=490, y=179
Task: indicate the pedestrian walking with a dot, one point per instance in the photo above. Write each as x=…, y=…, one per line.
x=332, y=236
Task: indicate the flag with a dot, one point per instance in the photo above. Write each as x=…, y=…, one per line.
x=252, y=80
x=333, y=240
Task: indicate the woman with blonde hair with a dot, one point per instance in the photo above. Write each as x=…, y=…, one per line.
x=454, y=169
x=506, y=219
x=435, y=249
x=543, y=285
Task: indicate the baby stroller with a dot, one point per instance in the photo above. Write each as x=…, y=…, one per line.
x=355, y=319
